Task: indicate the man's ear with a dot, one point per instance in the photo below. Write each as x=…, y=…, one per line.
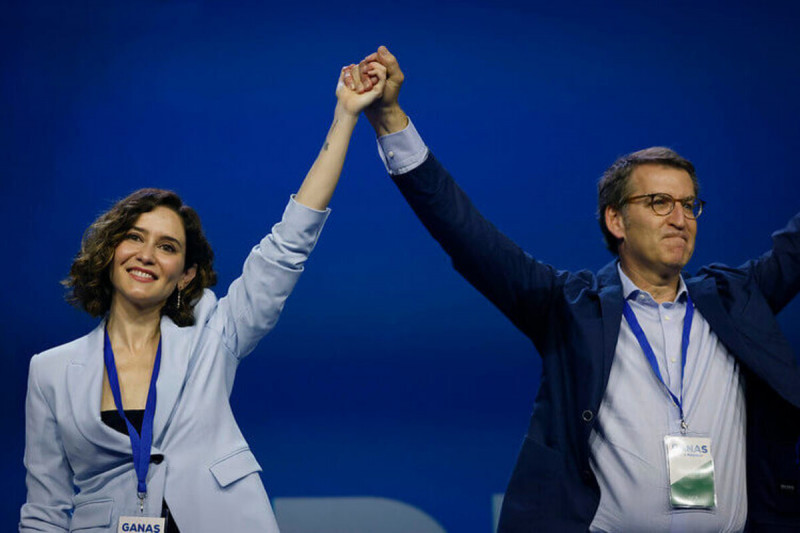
x=615, y=222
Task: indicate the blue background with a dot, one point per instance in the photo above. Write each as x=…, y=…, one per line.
x=387, y=375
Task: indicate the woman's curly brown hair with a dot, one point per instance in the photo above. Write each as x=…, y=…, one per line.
x=89, y=278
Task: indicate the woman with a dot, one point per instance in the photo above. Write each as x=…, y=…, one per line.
x=129, y=428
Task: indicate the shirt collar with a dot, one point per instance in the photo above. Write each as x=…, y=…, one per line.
x=630, y=290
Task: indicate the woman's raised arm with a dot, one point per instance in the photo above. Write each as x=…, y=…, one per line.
x=321, y=180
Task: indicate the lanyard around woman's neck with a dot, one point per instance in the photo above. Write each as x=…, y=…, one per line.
x=139, y=444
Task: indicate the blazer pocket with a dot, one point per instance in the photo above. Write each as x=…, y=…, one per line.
x=92, y=514
x=234, y=467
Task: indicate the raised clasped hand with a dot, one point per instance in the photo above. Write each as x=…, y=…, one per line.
x=360, y=85
x=384, y=113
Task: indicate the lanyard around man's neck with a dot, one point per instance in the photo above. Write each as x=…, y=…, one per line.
x=650, y=355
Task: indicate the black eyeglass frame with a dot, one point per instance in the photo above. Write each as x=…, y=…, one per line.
x=696, y=204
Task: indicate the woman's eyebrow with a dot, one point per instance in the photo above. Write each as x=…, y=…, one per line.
x=165, y=237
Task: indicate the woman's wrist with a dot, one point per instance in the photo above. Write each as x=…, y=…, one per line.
x=342, y=113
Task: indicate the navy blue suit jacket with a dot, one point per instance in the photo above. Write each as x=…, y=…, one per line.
x=573, y=319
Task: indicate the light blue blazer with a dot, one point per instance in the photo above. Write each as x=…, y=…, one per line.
x=80, y=473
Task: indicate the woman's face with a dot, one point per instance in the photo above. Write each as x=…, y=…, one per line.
x=149, y=261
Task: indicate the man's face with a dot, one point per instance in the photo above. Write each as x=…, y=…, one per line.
x=651, y=243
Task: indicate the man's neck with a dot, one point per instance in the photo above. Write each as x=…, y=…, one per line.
x=663, y=287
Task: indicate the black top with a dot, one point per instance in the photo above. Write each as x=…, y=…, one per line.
x=116, y=422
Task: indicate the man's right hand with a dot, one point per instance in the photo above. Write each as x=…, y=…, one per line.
x=385, y=113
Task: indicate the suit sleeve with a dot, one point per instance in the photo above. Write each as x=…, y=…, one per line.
x=521, y=287
x=777, y=272
x=48, y=505
x=256, y=298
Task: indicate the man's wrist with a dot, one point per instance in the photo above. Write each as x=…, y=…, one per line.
x=402, y=151
x=386, y=120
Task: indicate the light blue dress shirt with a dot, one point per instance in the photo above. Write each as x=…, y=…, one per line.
x=627, y=446
x=628, y=455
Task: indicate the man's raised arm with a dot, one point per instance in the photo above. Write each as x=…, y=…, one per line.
x=519, y=286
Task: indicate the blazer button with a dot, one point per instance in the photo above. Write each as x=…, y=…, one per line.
x=587, y=416
x=157, y=459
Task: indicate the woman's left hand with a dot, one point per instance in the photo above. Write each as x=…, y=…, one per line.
x=358, y=89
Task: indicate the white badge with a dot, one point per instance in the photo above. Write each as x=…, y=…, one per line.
x=691, y=472
x=140, y=524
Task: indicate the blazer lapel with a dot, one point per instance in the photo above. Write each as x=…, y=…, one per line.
x=767, y=355
x=706, y=299
x=610, y=293
x=85, y=388
x=175, y=344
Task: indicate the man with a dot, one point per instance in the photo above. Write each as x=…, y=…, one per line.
x=667, y=403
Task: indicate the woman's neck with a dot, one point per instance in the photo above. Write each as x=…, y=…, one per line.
x=133, y=329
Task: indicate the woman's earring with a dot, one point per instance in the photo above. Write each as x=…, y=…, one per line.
x=178, y=304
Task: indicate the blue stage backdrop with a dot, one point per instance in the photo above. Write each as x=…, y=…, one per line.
x=390, y=391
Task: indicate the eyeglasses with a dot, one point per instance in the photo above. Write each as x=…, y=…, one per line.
x=663, y=204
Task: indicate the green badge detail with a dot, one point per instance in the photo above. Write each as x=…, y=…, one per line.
x=695, y=489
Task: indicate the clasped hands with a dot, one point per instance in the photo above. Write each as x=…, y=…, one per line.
x=375, y=82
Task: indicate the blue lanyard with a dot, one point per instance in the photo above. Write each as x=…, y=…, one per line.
x=139, y=444
x=651, y=356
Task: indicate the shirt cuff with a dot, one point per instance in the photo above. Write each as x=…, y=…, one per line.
x=294, y=204
x=300, y=226
x=402, y=151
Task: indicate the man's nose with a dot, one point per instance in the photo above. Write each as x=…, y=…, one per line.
x=677, y=217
